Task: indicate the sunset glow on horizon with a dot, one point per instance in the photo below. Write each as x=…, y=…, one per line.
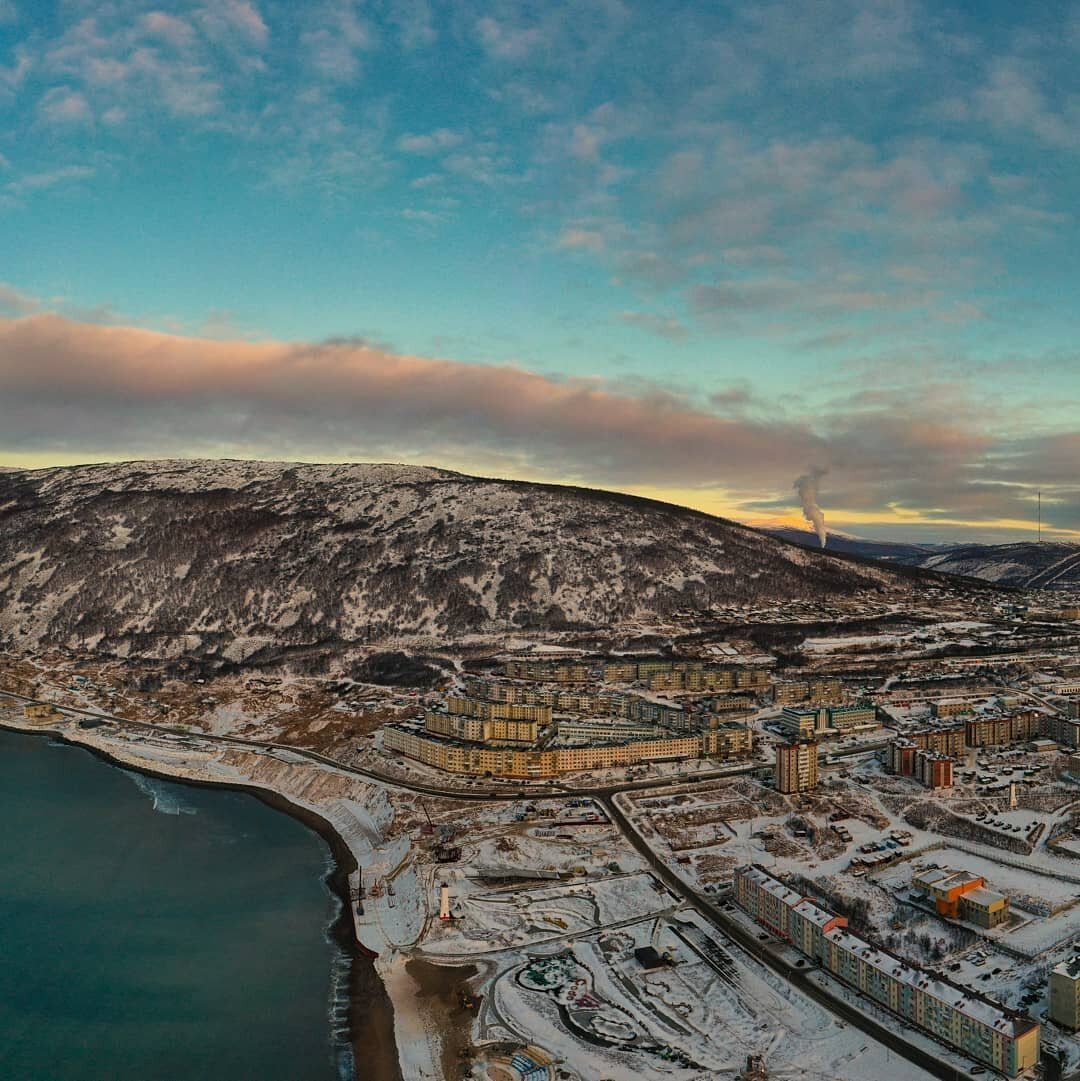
x=600, y=244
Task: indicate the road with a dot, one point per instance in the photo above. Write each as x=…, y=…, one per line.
x=510, y=791
x=701, y=904
x=735, y=931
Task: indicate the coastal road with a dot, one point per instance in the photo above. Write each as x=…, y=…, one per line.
x=699, y=902
x=510, y=792
x=735, y=931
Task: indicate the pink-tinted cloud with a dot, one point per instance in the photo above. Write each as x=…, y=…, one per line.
x=117, y=386
x=74, y=387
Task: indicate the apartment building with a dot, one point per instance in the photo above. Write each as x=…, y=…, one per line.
x=703, y=680
x=631, y=707
x=940, y=743
x=826, y=720
x=951, y=707
x=687, y=676
x=634, y=708
x=791, y=692
x=499, y=723
x=1065, y=994
x=1074, y=710
x=435, y=749
x=1064, y=730
x=1067, y=690
x=932, y=769
x=728, y=739
x=1006, y=1040
x=503, y=711
x=901, y=757
x=730, y=703
x=605, y=730
x=547, y=671
x=1001, y=731
x=947, y=739
x=478, y=730
x=573, y=759
x=816, y=692
x=641, y=671
x=796, y=766
x=620, y=672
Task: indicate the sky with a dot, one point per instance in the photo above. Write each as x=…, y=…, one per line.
x=691, y=250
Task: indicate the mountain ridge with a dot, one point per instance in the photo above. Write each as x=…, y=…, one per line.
x=1017, y=565
x=240, y=562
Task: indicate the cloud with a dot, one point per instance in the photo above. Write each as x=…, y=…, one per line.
x=928, y=451
x=432, y=143
x=14, y=75
x=63, y=106
x=652, y=267
x=415, y=22
x=731, y=399
x=1011, y=97
x=577, y=239
x=15, y=302
x=229, y=20
x=336, y=42
x=836, y=40
x=115, y=387
x=663, y=326
x=169, y=28
x=501, y=41
x=65, y=174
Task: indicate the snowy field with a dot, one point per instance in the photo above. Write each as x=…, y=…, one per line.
x=711, y=1002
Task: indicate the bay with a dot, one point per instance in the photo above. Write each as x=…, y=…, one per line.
x=153, y=931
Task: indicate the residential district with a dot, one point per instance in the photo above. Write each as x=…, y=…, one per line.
x=837, y=845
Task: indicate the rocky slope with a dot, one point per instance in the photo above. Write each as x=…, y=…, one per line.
x=252, y=562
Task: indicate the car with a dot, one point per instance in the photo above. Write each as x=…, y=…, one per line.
x=762, y=937
x=975, y=1070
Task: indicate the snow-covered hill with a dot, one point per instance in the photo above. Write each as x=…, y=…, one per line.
x=249, y=561
x=1052, y=565
x=1026, y=564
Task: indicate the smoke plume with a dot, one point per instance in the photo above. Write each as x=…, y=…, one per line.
x=807, y=487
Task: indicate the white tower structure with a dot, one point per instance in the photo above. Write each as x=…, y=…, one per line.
x=444, y=902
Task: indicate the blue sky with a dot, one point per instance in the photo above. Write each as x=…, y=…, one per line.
x=818, y=232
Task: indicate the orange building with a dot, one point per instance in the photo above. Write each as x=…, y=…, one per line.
x=961, y=895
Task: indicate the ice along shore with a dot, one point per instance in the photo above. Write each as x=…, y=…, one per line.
x=394, y=1032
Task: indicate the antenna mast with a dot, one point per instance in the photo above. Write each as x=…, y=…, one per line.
x=1040, y=516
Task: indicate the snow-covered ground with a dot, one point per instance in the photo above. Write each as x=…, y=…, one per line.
x=710, y=1007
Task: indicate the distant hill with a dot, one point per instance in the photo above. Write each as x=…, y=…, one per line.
x=912, y=554
x=254, y=562
x=1028, y=564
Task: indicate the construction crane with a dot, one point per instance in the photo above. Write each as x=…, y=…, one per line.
x=429, y=828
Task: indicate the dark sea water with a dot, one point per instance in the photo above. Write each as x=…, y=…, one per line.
x=151, y=931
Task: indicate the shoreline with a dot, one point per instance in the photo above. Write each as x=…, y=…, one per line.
x=371, y=1018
